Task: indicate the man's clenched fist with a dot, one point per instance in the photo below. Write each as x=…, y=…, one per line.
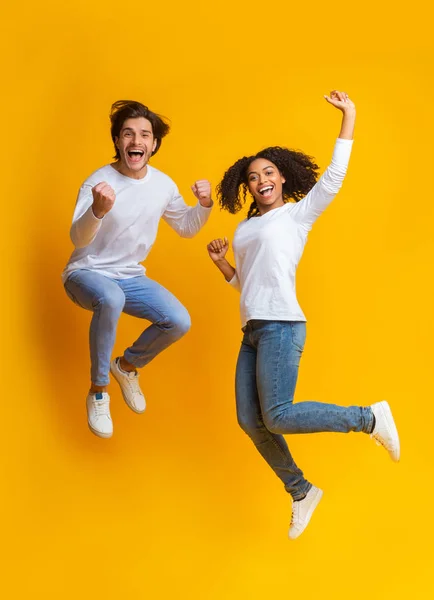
x=103, y=199
x=202, y=191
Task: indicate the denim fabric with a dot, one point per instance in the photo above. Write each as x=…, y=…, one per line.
x=266, y=377
x=137, y=296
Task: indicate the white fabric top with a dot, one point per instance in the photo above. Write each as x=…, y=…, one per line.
x=268, y=248
x=116, y=244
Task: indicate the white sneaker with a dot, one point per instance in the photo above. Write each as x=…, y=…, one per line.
x=98, y=414
x=130, y=388
x=385, y=432
x=302, y=511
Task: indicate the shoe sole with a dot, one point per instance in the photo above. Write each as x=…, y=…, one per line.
x=138, y=412
x=318, y=496
x=391, y=426
x=99, y=433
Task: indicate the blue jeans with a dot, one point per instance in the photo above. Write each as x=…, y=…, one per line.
x=138, y=296
x=266, y=377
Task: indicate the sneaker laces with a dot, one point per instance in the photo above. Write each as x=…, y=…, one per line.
x=132, y=377
x=133, y=380
x=378, y=439
x=101, y=408
x=294, y=515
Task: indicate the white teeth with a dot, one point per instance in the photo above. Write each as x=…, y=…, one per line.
x=265, y=189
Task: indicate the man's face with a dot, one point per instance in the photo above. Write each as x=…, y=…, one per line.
x=136, y=144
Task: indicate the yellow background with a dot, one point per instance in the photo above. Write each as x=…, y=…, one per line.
x=178, y=504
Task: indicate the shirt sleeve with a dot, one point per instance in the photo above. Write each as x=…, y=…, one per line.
x=185, y=220
x=235, y=282
x=85, y=225
x=316, y=201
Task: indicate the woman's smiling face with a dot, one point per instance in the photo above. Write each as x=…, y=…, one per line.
x=265, y=183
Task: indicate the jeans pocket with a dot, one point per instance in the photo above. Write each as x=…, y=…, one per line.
x=298, y=332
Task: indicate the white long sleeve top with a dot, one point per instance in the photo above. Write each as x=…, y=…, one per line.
x=268, y=248
x=116, y=244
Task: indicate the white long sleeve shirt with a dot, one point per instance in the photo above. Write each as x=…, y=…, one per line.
x=268, y=248
x=116, y=244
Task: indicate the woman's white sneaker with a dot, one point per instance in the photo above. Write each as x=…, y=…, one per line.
x=130, y=388
x=302, y=511
x=98, y=414
x=385, y=431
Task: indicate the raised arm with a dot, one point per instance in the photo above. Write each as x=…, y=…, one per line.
x=217, y=250
x=188, y=220
x=341, y=101
x=316, y=201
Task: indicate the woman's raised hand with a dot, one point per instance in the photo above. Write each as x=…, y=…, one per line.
x=340, y=100
x=217, y=249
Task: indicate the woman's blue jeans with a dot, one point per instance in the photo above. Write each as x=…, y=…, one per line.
x=266, y=377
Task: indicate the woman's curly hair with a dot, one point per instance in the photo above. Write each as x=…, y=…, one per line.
x=298, y=169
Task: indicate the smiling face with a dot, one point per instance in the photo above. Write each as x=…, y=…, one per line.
x=265, y=184
x=136, y=143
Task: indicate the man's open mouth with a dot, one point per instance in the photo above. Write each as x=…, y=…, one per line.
x=136, y=155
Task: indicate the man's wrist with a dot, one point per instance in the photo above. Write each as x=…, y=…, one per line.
x=206, y=202
x=98, y=215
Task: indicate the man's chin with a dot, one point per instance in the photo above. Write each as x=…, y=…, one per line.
x=135, y=166
x=132, y=169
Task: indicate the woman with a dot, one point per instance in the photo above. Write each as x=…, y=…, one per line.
x=267, y=248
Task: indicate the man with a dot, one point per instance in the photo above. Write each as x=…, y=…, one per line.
x=114, y=227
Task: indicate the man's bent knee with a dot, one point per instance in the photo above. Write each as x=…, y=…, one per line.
x=110, y=301
x=178, y=324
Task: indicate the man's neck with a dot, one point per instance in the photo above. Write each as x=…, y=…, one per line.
x=124, y=170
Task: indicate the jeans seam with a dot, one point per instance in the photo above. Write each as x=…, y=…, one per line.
x=96, y=315
x=276, y=376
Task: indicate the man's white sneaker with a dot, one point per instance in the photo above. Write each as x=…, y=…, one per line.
x=302, y=511
x=129, y=383
x=385, y=432
x=98, y=414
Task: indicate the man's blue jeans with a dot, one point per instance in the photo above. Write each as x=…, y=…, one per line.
x=138, y=296
x=266, y=377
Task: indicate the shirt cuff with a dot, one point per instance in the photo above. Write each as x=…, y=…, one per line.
x=205, y=208
x=235, y=282
x=342, y=151
x=92, y=214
